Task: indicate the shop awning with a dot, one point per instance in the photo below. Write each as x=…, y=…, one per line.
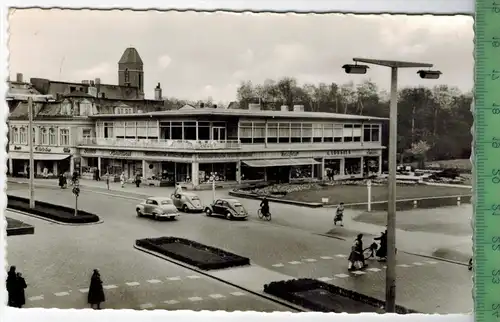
x=37, y=156
x=279, y=162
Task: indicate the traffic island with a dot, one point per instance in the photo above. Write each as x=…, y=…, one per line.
x=192, y=253
x=51, y=211
x=323, y=297
x=17, y=228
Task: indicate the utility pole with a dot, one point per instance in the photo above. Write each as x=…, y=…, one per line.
x=31, y=139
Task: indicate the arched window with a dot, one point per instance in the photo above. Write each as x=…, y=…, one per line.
x=52, y=136
x=15, y=135
x=23, y=137
x=126, y=76
x=44, y=139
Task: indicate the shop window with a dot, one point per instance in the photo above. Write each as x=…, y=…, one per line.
x=284, y=132
x=301, y=172
x=64, y=136
x=307, y=132
x=251, y=174
x=367, y=132
x=272, y=133
x=295, y=132
x=86, y=133
x=259, y=132
x=142, y=130
x=352, y=166
x=130, y=130
x=348, y=132
x=375, y=137
x=317, y=133
x=108, y=130
x=23, y=137
x=356, y=133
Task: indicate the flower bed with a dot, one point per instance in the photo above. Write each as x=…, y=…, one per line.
x=190, y=252
x=323, y=297
x=17, y=227
x=51, y=211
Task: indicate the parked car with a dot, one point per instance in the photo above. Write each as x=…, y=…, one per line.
x=158, y=208
x=229, y=208
x=187, y=201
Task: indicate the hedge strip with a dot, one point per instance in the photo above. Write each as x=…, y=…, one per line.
x=51, y=211
x=286, y=290
x=224, y=259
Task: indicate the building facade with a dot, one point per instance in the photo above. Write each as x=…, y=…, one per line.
x=235, y=147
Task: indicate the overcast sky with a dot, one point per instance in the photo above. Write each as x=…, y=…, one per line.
x=196, y=55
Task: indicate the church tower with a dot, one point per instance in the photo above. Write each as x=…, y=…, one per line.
x=130, y=70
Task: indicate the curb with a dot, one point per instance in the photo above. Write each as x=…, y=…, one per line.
x=267, y=297
x=289, y=202
x=53, y=221
x=20, y=231
x=402, y=200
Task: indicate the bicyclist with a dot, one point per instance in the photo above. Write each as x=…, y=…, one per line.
x=264, y=206
x=339, y=215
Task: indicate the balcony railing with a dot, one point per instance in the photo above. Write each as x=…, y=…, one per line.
x=162, y=144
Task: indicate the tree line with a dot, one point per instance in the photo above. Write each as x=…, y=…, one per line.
x=433, y=123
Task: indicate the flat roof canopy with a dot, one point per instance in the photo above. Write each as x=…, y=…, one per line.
x=279, y=162
x=37, y=156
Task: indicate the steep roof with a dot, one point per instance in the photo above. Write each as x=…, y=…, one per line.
x=130, y=56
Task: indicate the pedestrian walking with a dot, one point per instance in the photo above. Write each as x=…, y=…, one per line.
x=97, y=175
x=107, y=180
x=11, y=285
x=137, y=180
x=122, y=179
x=356, y=258
x=19, y=296
x=96, y=291
x=339, y=215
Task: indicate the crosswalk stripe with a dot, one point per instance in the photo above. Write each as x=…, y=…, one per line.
x=109, y=287
x=358, y=272
x=61, y=294
x=373, y=269
x=418, y=264
x=294, y=263
x=309, y=260
x=175, y=278
x=341, y=275
x=216, y=296
x=278, y=265
x=84, y=290
x=195, y=299
x=403, y=265
x=36, y=298
x=146, y=306
x=326, y=257
x=133, y=283
x=237, y=293
x=341, y=255
x=325, y=279
x=154, y=281
x=193, y=277
x=171, y=302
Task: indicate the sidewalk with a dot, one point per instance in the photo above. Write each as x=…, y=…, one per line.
x=115, y=188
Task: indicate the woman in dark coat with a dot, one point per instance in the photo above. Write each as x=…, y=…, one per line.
x=382, y=250
x=357, y=253
x=96, y=291
x=12, y=286
x=20, y=298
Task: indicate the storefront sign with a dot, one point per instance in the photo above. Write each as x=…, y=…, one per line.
x=166, y=154
x=339, y=152
x=66, y=150
x=42, y=149
x=289, y=154
x=17, y=148
x=372, y=152
x=89, y=151
x=120, y=153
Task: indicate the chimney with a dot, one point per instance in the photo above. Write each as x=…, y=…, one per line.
x=19, y=77
x=298, y=108
x=202, y=105
x=284, y=108
x=158, y=96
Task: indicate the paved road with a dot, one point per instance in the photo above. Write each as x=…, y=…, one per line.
x=58, y=260
x=447, y=239
x=429, y=286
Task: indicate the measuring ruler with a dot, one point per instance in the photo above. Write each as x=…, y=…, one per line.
x=487, y=162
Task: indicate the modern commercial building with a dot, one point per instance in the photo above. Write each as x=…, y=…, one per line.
x=191, y=145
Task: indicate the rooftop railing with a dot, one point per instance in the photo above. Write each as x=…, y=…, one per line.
x=162, y=144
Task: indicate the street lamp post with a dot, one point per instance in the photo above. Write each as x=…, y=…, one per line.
x=32, y=161
x=390, y=290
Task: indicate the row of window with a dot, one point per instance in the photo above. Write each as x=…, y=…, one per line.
x=255, y=132
x=47, y=136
